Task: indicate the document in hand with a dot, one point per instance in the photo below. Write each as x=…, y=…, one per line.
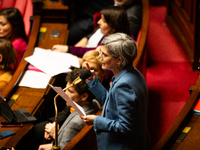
x=77, y=107
x=51, y=62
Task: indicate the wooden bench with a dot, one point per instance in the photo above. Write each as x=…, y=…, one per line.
x=86, y=138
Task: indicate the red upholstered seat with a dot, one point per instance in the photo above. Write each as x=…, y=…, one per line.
x=96, y=18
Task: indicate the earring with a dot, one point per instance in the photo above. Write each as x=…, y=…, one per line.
x=1, y=66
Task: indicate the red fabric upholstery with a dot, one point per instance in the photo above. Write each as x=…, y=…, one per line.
x=96, y=18
x=24, y=6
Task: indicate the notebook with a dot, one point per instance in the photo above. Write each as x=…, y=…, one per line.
x=20, y=115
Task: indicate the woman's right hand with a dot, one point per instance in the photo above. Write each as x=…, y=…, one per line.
x=93, y=76
x=60, y=48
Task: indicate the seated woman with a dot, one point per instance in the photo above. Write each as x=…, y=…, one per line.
x=113, y=19
x=12, y=27
x=7, y=59
x=91, y=58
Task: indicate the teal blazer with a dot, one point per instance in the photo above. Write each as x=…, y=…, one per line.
x=123, y=123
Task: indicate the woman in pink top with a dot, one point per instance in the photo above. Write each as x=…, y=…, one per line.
x=12, y=27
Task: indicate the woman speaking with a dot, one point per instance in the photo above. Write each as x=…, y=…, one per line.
x=123, y=123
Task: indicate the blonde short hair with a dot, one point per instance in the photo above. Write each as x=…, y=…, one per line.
x=92, y=56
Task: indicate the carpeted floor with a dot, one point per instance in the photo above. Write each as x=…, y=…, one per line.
x=169, y=75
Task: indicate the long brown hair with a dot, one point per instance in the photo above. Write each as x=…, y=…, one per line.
x=15, y=18
x=8, y=52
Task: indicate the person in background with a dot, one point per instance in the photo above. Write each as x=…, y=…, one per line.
x=113, y=19
x=91, y=58
x=12, y=27
x=7, y=59
x=123, y=122
x=134, y=14
x=82, y=13
x=80, y=94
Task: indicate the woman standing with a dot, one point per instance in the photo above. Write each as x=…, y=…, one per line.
x=123, y=123
x=12, y=27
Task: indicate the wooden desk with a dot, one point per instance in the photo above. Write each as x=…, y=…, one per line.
x=49, y=41
x=54, y=12
x=31, y=98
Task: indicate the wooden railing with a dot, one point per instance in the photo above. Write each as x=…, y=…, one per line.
x=140, y=61
x=86, y=139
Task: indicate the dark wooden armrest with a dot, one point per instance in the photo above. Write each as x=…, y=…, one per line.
x=7, y=92
x=140, y=61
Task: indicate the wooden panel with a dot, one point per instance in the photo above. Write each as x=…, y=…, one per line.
x=182, y=19
x=54, y=12
x=193, y=137
x=49, y=41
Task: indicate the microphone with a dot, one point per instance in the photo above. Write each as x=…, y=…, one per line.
x=83, y=76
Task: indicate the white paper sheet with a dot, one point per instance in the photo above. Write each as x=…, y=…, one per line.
x=35, y=79
x=77, y=107
x=52, y=62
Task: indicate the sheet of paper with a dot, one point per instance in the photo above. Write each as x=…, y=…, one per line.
x=77, y=107
x=35, y=79
x=52, y=62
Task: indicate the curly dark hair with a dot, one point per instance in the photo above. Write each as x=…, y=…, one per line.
x=81, y=87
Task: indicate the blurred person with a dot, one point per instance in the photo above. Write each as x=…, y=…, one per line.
x=134, y=14
x=123, y=122
x=7, y=59
x=91, y=58
x=82, y=13
x=12, y=27
x=113, y=19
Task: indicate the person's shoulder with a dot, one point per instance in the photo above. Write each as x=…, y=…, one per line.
x=19, y=43
x=134, y=7
x=6, y=76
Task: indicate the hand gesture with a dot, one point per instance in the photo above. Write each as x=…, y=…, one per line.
x=60, y=48
x=93, y=76
x=50, y=130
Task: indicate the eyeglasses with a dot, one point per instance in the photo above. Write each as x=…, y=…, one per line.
x=102, y=55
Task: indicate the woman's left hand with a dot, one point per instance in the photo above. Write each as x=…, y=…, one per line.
x=88, y=119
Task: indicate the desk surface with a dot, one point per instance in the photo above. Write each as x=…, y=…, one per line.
x=54, y=6
x=49, y=41
x=30, y=98
x=192, y=139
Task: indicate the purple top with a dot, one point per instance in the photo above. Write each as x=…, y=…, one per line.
x=80, y=51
